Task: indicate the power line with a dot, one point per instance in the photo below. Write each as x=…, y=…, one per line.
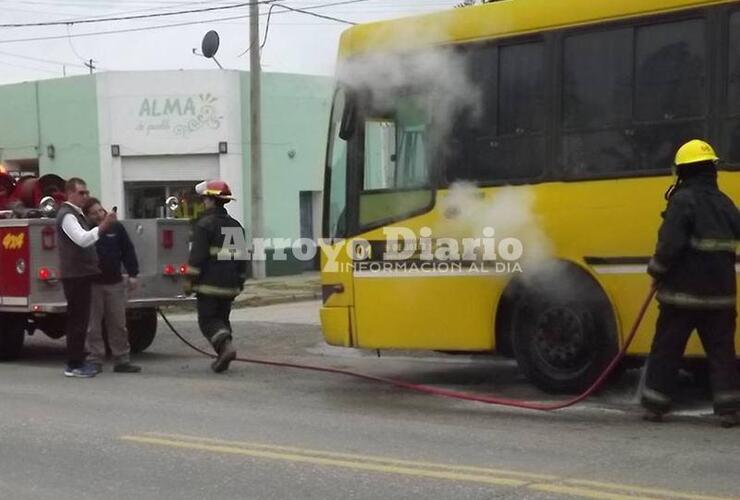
x=288, y=9
x=41, y=70
x=129, y=18
x=162, y=26
x=38, y=59
x=320, y=16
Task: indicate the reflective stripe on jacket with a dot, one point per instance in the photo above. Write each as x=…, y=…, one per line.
x=211, y=270
x=694, y=260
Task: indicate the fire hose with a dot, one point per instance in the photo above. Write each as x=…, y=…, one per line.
x=516, y=403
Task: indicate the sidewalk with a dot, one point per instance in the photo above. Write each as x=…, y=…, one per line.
x=281, y=289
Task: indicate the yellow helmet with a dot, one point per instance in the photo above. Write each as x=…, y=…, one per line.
x=695, y=151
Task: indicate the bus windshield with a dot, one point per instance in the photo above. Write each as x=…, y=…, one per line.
x=379, y=163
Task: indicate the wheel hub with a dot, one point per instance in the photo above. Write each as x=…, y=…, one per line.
x=560, y=338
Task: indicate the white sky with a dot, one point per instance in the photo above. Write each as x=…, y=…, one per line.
x=297, y=43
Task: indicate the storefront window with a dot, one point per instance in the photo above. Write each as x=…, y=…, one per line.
x=146, y=200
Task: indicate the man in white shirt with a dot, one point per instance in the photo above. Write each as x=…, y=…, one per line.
x=79, y=266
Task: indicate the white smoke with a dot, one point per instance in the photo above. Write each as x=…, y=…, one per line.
x=439, y=74
x=510, y=211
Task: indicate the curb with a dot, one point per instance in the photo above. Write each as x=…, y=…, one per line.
x=258, y=301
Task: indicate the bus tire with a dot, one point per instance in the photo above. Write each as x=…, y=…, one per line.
x=565, y=332
x=12, y=334
x=142, y=328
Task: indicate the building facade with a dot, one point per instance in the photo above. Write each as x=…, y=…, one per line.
x=139, y=137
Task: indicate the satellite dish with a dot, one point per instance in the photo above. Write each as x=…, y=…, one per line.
x=210, y=44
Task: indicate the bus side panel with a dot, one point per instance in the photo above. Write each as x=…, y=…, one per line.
x=454, y=313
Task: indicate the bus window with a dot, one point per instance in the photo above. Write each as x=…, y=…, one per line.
x=597, y=95
x=380, y=154
x=670, y=79
x=732, y=126
x=396, y=176
x=336, y=172
x=670, y=87
x=521, y=98
x=505, y=141
x=519, y=148
x=597, y=79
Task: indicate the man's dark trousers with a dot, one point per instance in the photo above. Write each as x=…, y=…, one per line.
x=78, y=294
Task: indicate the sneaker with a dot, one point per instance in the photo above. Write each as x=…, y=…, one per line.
x=126, y=368
x=85, y=370
x=97, y=365
x=226, y=355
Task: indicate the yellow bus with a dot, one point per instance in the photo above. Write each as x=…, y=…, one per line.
x=575, y=107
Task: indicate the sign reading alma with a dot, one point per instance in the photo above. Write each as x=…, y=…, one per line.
x=179, y=116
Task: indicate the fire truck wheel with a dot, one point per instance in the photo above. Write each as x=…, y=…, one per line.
x=565, y=332
x=142, y=327
x=12, y=333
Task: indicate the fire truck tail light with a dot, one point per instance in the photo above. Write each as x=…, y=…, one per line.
x=184, y=269
x=168, y=238
x=169, y=270
x=45, y=274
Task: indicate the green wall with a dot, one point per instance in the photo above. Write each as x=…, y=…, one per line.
x=67, y=112
x=69, y=121
x=295, y=118
x=19, y=134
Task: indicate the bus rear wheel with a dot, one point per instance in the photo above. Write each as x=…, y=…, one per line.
x=12, y=334
x=563, y=343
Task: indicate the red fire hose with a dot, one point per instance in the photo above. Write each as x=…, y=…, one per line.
x=516, y=403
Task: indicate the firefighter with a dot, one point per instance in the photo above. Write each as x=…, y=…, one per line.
x=214, y=273
x=694, y=271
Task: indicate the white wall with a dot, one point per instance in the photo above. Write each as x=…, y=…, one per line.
x=149, y=114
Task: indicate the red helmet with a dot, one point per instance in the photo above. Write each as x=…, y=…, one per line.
x=215, y=188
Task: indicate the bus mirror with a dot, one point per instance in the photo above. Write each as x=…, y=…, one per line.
x=349, y=117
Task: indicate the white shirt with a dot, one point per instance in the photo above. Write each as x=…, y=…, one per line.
x=72, y=228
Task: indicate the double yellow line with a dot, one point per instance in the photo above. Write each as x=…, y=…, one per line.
x=482, y=475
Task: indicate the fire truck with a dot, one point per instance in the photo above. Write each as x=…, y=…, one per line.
x=31, y=295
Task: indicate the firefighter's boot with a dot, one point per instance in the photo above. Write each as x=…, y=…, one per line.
x=226, y=354
x=653, y=416
x=729, y=420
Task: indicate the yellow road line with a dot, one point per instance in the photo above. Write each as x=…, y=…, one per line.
x=407, y=471
x=650, y=491
x=552, y=484
x=369, y=458
x=584, y=492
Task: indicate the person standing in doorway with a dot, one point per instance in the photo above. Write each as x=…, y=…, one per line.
x=78, y=267
x=109, y=290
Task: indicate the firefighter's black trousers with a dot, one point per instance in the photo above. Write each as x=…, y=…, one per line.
x=716, y=329
x=213, y=318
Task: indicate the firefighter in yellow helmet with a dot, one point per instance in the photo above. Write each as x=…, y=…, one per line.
x=215, y=272
x=694, y=270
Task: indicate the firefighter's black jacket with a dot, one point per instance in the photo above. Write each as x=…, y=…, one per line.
x=215, y=269
x=694, y=261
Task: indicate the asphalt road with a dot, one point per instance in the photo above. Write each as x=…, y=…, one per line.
x=179, y=431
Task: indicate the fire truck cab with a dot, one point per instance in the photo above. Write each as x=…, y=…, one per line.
x=31, y=295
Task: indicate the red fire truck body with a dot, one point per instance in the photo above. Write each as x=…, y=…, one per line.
x=31, y=295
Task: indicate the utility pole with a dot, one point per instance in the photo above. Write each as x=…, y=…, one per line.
x=255, y=129
x=90, y=65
